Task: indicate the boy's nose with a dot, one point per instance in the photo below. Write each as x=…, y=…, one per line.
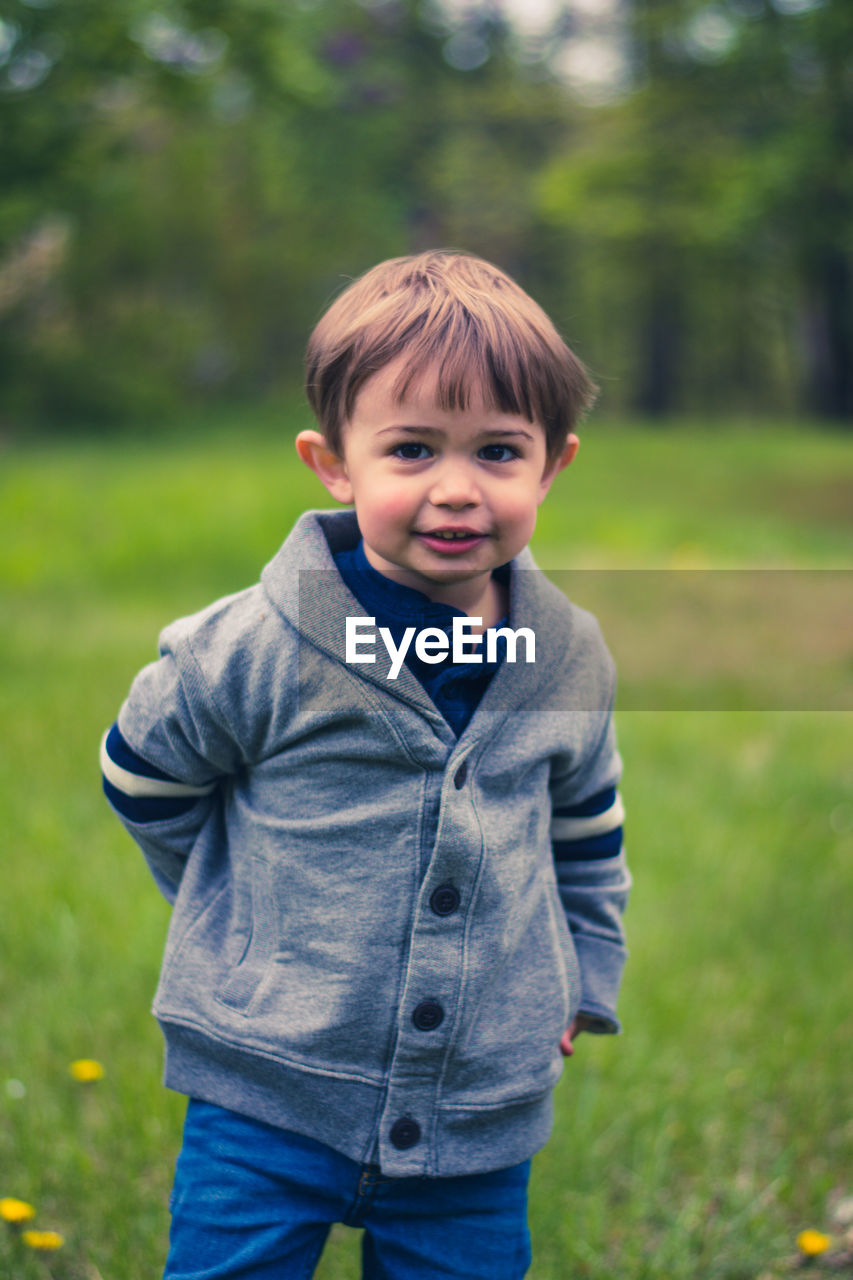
x=455, y=486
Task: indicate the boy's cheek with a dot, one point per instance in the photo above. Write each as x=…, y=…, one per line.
x=522, y=519
x=383, y=508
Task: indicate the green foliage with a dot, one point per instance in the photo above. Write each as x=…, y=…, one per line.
x=718, y=197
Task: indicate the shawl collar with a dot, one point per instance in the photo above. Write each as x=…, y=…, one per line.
x=303, y=583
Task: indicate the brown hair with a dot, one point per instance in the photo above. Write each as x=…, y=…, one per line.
x=460, y=312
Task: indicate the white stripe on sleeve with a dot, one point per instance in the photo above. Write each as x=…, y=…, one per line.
x=583, y=828
x=134, y=784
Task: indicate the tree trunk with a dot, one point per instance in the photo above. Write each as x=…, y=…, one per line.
x=828, y=334
x=659, y=346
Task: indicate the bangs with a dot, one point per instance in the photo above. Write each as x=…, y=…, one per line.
x=471, y=365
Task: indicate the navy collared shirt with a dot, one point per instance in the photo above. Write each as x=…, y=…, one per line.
x=455, y=687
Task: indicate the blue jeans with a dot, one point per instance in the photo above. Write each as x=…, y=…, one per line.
x=256, y=1203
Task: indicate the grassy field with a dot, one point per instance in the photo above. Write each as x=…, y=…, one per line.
x=698, y=1144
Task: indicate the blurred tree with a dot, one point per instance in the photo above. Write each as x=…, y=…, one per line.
x=718, y=190
x=800, y=53
x=190, y=185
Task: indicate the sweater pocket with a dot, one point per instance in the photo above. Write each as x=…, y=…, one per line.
x=241, y=984
x=510, y=1048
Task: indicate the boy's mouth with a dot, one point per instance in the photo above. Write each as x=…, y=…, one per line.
x=450, y=539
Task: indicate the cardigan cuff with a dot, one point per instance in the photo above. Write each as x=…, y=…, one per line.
x=601, y=964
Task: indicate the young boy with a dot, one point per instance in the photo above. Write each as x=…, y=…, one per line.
x=394, y=850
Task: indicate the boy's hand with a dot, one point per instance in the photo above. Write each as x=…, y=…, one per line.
x=576, y=1026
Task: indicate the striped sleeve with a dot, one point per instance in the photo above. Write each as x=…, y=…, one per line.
x=589, y=830
x=139, y=791
x=593, y=882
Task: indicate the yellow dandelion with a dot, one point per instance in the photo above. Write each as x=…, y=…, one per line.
x=811, y=1243
x=15, y=1211
x=44, y=1240
x=86, y=1070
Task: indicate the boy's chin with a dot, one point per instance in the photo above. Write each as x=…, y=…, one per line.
x=449, y=578
x=449, y=574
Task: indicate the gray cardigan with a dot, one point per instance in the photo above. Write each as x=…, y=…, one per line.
x=371, y=942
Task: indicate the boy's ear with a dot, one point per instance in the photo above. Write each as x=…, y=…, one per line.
x=316, y=454
x=559, y=464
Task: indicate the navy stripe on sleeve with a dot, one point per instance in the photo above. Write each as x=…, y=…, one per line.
x=598, y=803
x=145, y=808
x=604, y=846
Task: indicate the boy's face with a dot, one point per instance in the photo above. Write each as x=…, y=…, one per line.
x=442, y=496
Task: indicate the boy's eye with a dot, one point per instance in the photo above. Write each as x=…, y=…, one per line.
x=411, y=450
x=498, y=453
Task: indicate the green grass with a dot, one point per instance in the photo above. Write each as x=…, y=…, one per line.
x=697, y=1144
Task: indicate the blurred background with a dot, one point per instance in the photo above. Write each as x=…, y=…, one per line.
x=185, y=186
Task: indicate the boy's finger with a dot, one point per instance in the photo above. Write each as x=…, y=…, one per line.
x=566, y=1046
